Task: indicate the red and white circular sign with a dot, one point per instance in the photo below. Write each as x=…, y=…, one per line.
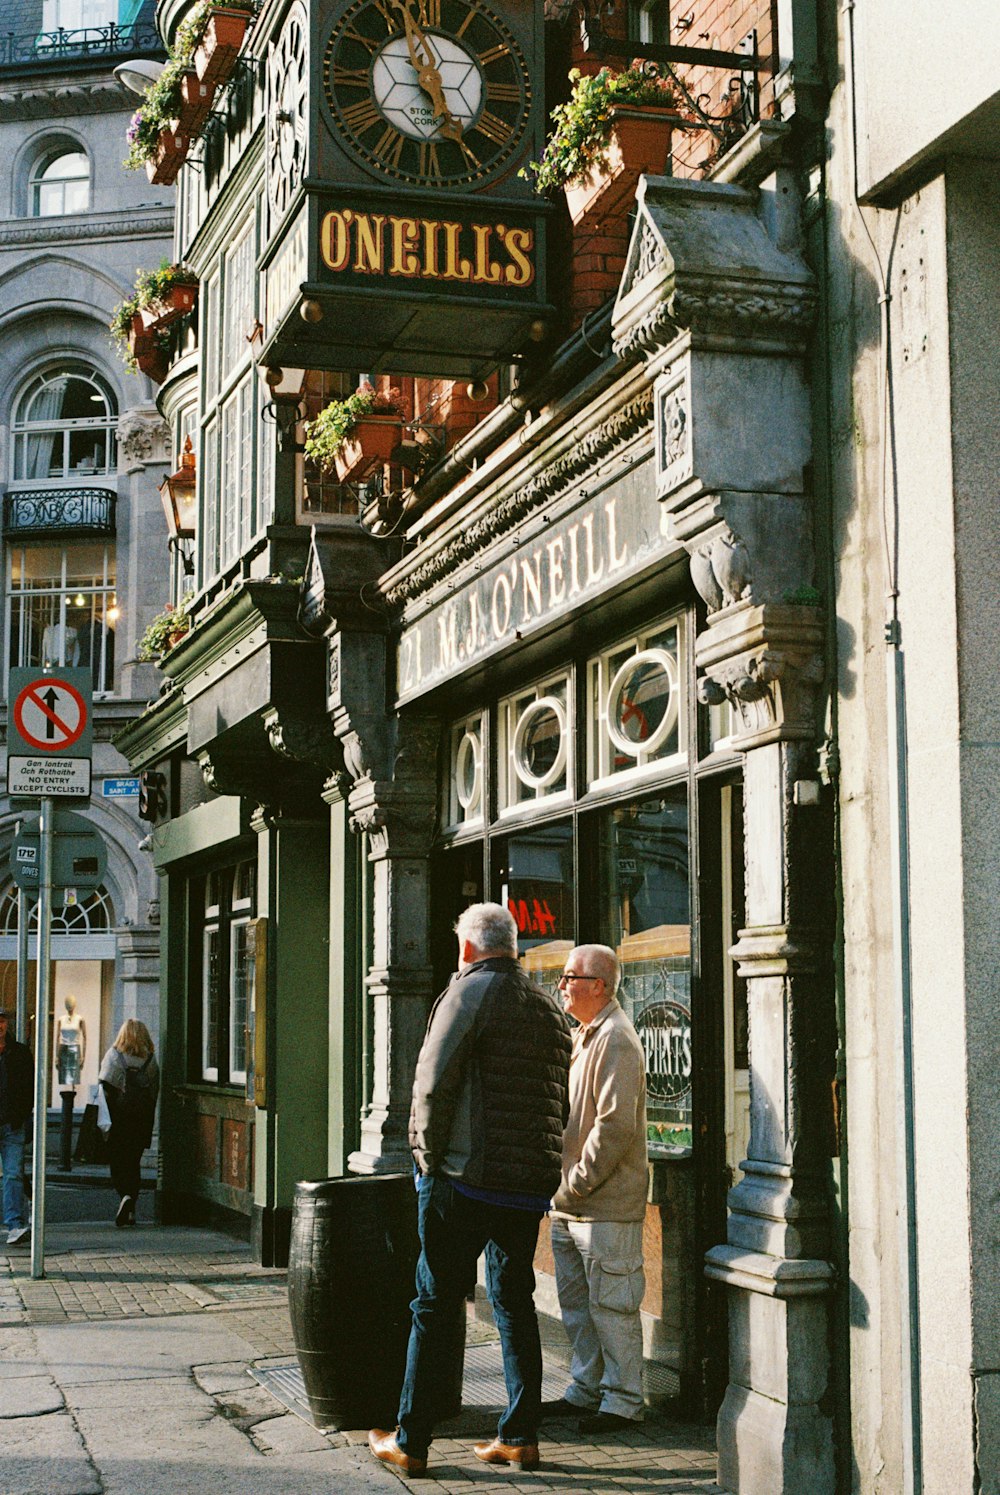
x=50, y=714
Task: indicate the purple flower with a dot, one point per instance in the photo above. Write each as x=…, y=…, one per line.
x=132, y=133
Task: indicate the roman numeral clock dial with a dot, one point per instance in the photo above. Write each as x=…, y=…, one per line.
x=432, y=92
x=288, y=86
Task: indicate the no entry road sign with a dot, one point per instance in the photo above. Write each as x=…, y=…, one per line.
x=49, y=733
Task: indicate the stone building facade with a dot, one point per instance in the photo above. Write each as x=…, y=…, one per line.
x=82, y=451
x=679, y=646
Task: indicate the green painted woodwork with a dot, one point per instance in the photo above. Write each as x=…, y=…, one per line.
x=346, y=976
x=202, y=829
x=293, y=892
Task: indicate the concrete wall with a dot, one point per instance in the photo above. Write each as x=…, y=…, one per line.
x=939, y=253
x=929, y=83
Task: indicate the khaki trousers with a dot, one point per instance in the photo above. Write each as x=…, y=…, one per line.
x=600, y=1280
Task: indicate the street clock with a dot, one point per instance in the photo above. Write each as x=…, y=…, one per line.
x=429, y=92
x=399, y=234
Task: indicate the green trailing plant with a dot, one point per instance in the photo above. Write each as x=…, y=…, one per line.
x=325, y=435
x=161, y=102
x=166, y=629
x=582, y=126
x=151, y=286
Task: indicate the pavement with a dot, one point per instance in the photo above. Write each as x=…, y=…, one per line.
x=127, y=1370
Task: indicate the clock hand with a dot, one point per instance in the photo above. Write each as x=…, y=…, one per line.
x=428, y=74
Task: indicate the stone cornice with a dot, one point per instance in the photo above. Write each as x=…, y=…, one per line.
x=26, y=232
x=27, y=98
x=515, y=501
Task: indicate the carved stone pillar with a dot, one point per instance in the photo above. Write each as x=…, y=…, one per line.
x=392, y=760
x=720, y=312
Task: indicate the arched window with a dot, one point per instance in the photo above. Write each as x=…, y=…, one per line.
x=59, y=183
x=64, y=421
x=92, y=913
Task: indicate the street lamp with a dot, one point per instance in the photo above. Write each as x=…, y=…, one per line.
x=177, y=494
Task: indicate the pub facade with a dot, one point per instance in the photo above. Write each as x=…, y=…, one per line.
x=574, y=643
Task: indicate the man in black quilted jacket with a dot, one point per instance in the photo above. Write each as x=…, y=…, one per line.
x=490, y=1101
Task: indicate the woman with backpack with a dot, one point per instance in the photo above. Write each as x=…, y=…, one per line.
x=131, y=1082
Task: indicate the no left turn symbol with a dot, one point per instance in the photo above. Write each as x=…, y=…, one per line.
x=50, y=714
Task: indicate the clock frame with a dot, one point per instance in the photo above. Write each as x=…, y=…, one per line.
x=430, y=93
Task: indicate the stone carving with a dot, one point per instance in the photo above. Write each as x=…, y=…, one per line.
x=143, y=437
x=746, y=288
x=731, y=565
x=673, y=418
x=766, y=662
x=46, y=101
x=303, y=741
x=704, y=579
x=511, y=509
x=149, y=225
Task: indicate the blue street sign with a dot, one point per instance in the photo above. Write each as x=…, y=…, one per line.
x=119, y=788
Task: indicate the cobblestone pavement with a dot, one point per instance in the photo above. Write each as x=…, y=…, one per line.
x=166, y=1323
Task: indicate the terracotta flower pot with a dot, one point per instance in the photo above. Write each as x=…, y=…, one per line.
x=171, y=154
x=639, y=142
x=370, y=444
x=220, y=44
x=150, y=357
x=196, y=103
x=177, y=302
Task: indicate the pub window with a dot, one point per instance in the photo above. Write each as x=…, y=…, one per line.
x=321, y=494
x=227, y=972
x=634, y=694
x=535, y=741
x=466, y=772
x=62, y=608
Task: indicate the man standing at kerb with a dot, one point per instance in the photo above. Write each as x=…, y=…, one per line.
x=490, y=1100
x=598, y=1210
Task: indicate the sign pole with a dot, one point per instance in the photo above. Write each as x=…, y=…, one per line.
x=23, y=919
x=47, y=808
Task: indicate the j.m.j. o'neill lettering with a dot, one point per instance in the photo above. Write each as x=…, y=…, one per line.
x=440, y=249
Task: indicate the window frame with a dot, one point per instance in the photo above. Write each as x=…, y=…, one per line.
x=22, y=429
x=107, y=589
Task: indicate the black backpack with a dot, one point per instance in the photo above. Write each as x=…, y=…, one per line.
x=138, y=1101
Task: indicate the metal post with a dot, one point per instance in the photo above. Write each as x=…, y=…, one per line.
x=42, y=1039
x=23, y=919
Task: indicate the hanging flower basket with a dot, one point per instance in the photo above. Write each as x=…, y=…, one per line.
x=175, y=302
x=639, y=142
x=370, y=445
x=220, y=43
x=150, y=356
x=195, y=104
x=171, y=153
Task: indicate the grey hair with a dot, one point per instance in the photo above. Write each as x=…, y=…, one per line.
x=601, y=961
x=489, y=927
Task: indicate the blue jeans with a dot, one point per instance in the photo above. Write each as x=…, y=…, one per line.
x=12, y=1159
x=454, y=1231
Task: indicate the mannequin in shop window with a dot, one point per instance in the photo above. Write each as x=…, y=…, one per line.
x=71, y=1044
x=60, y=645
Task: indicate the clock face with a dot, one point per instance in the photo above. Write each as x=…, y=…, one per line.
x=286, y=115
x=433, y=92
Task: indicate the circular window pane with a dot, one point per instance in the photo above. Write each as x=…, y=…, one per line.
x=540, y=743
x=642, y=702
x=468, y=773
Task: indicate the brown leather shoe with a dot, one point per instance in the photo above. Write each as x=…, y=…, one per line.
x=385, y=1448
x=525, y=1454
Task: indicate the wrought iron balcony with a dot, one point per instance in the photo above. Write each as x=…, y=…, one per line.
x=60, y=511
x=37, y=49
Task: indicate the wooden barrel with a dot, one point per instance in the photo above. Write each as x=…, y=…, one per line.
x=351, y=1271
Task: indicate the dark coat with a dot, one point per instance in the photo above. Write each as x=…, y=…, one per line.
x=491, y=1091
x=20, y=1082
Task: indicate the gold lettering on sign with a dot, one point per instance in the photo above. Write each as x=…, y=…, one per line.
x=405, y=260
x=486, y=254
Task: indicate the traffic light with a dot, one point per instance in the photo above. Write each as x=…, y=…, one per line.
x=152, y=798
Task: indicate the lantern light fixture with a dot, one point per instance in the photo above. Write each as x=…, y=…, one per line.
x=178, y=493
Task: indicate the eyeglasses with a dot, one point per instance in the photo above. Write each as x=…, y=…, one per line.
x=570, y=976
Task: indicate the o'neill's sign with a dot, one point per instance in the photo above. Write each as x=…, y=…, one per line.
x=472, y=252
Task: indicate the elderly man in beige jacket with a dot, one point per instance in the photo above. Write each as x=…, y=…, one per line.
x=598, y=1211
